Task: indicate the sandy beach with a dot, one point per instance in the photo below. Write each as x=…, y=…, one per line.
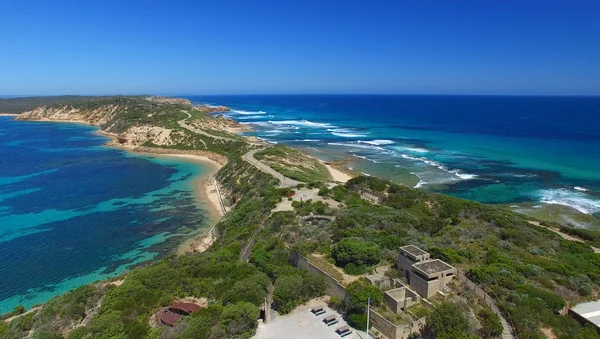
x=207, y=191
x=337, y=175
x=8, y=115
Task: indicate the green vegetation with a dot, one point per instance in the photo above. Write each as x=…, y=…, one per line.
x=355, y=255
x=491, y=325
x=20, y=105
x=293, y=164
x=531, y=272
x=448, y=321
x=359, y=292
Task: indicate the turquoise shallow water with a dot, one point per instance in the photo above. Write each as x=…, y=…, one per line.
x=73, y=211
x=493, y=149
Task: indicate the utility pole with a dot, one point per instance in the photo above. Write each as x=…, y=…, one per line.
x=368, y=314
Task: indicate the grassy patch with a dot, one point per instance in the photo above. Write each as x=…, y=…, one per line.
x=294, y=164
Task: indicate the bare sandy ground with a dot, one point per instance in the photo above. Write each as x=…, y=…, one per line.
x=337, y=175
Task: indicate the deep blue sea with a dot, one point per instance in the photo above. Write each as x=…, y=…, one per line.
x=494, y=149
x=73, y=211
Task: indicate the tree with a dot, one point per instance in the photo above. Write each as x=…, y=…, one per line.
x=356, y=251
x=447, y=320
x=360, y=291
x=239, y=317
x=252, y=289
x=287, y=292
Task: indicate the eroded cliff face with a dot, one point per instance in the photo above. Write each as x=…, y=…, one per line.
x=106, y=117
x=95, y=117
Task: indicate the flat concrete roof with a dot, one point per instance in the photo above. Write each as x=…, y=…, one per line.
x=397, y=293
x=433, y=266
x=412, y=249
x=589, y=311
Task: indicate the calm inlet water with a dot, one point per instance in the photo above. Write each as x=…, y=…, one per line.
x=73, y=211
x=486, y=148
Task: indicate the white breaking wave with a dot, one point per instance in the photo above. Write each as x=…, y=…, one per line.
x=267, y=140
x=242, y=112
x=356, y=145
x=457, y=173
x=308, y=140
x=248, y=117
x=421, y=182
x=411, y=149
x=377, y=142
x=303, y=123
x=581, y=189
x=348, y=135
x=577, y=200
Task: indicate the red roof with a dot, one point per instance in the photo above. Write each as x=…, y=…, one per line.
x=169, y=318
x=185, y=307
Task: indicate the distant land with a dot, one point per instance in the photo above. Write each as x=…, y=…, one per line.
x=281, y=203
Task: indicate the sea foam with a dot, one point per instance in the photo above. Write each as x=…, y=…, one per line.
x=376, y=142
x=242, y=112
x=577, y=200
x=302, y=123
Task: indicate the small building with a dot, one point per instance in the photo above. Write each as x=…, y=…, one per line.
x=429, y=277
x=408, y=256
x=587, y=313
x=426, y=276
x=396, y=295
x=175, y=312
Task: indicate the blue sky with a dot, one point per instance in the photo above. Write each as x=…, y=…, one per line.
x=287, y=46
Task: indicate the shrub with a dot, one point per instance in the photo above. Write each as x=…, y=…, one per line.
x=358, y=321
x=360, y=291
x=356, y=251
x=491, y=325
x=239, y=317
x=447, y=320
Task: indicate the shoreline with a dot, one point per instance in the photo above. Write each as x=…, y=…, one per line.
x=8, y=115
x=210, y=199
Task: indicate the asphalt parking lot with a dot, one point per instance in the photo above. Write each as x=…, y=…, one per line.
x=303, y=324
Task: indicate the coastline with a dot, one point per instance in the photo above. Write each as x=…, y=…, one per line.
x=8, y=115
x=201, y=185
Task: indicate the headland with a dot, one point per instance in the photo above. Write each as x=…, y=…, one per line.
x=285, y=212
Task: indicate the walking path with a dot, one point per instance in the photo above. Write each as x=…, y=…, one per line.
x=564, y=235
x=285, y=181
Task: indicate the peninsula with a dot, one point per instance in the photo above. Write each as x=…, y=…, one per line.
x=292, y=229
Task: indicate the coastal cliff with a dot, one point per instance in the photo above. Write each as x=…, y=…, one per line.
x=156, y=122
x=532, y=271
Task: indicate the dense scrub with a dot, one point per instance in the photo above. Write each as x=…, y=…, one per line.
x=20, y=105
x=531, y=271
x=293, y=164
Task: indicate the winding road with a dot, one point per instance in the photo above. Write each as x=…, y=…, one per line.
x=285, y=181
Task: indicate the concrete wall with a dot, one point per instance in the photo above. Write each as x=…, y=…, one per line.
x=332, y=287
x=395, y=299
x=395, y=331
x=507, y=333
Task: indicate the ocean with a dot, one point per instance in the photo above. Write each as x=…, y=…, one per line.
x=73, y=211
x=493, y=149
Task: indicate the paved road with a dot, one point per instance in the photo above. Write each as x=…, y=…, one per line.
x=285, y=181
